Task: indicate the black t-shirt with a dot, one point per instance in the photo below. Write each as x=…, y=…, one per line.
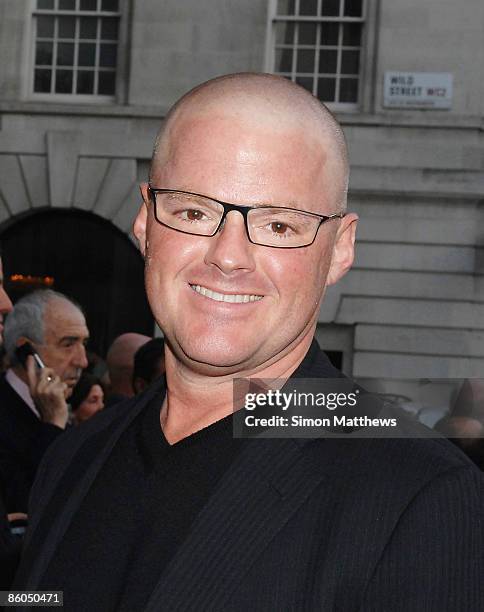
x=137, y=513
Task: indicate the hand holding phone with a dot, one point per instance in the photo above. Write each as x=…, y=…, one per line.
x=46, y=388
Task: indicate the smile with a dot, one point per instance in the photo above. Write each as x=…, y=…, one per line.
x=238, y=298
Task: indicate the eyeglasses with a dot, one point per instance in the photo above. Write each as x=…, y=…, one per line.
x=273, y=226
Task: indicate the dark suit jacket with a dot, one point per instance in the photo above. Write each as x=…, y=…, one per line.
x=23, y=442
x=10, y=546
x=333, y=525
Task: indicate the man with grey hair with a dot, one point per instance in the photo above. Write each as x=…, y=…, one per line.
x=33, y=400
x=157, y=506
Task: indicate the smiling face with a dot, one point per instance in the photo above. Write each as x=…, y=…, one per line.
x=227, y=305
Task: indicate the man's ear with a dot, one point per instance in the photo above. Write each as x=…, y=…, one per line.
x=343, y=249
x=139, y=226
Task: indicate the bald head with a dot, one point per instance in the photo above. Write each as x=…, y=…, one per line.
x=259, y=102
x=120, y=361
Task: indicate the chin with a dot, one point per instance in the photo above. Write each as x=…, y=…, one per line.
x=218, y=354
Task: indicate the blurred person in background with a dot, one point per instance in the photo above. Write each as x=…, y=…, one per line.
x=120, y=363
x=149, y=364
x=87, y=398
x=33, y=400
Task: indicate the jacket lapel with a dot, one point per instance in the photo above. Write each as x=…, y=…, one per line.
x=260, y=492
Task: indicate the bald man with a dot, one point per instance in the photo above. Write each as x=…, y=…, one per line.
x=243, y=226
x=120, y=363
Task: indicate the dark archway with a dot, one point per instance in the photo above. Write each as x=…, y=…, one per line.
x=89, y=259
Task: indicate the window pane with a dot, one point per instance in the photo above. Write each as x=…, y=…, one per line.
x=108, y=56
x=285, y=7
x=67, y=27
x=43, y=53
x=63, y=81
x=285, y=33
x=109, y=5
x=328, y=61
x=308, y=7
x=305, y=60
x=107, y=82
x=306, y=82
x=353, y=8
x=348, y=90
x=88, y=5
x=65, y=54
x=352, y=34
x=85, y=82
x=109, y=29
x=307, y=33
x=283, y=60
x=326, y=89
x=42, y=81
x=330, y=8
x=329, y=34
x=67, y=5
x=87, y=54
x=45, y=4
x=350, y=62
x=88, y=27
x=45, y=27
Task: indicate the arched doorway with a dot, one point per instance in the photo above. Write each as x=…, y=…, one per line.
x=89, y=259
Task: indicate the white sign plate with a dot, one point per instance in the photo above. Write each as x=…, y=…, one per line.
x=427, y=90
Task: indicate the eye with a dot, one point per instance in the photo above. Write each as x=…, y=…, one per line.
x=279, y=228
x=193, y=214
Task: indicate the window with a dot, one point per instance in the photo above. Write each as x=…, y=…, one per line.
x=76, y=47
x=318, y=44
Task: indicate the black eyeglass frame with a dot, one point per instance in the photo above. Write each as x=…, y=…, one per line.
x=244, y=211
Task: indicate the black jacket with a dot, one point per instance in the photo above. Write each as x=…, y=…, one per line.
x=23, y=442
x=334, y=525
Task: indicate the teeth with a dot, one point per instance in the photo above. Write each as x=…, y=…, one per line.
x=225, y=297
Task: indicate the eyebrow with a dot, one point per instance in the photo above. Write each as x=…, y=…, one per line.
x=74, y=338
x=259, y=204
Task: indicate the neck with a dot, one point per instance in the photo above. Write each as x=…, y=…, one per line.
x=194, y=401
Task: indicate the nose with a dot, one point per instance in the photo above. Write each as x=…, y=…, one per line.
x=5, y=303
x=80, y=357
x=230, y=248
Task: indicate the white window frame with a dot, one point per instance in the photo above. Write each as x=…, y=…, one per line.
x=367, y=20
x=75, y=98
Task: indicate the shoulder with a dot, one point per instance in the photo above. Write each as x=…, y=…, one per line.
x=374, y=483
x=403, y=465
x=87, y=441
x=412, y=461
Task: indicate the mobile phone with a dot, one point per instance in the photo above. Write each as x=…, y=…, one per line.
x=26, y=349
